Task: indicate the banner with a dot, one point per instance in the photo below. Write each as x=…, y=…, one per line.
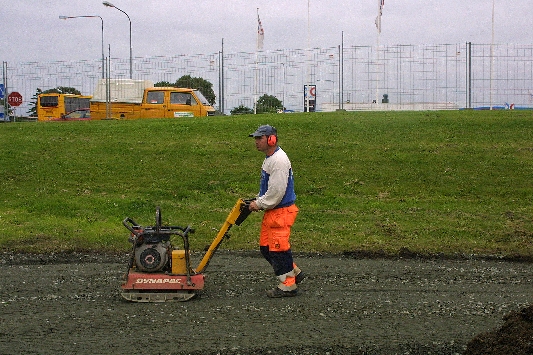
x=260, y=32
x=381, y=3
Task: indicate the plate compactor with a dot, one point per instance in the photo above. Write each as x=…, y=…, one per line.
x=158, y=272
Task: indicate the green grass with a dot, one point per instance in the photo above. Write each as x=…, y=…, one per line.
x=432, y=182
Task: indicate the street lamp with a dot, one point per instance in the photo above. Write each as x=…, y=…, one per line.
x=101, y=19
x=108, y=4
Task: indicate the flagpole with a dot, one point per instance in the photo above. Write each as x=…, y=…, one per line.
x=309, y=59
x=491, y=57
x=309, y=40
x=377, y=67
x=378, y=25
x=256, y=65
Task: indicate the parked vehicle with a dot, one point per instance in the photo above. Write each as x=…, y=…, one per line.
x=54, y=106
x=133, y=99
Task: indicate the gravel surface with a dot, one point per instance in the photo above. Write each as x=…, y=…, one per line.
x=71, y=304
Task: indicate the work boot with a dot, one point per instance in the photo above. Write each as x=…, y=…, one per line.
x=277, y=293
x=300, y=277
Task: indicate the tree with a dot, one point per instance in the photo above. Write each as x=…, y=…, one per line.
x=268, y=104
x=241, y=110
x=186, y=81
x=205, y=87
x=265, y=104
x=63, y=90
x=32, y=111
x=163, y=84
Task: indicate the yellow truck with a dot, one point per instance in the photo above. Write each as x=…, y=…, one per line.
x=132, y=99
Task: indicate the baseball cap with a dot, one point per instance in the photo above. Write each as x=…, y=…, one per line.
x=264, y=130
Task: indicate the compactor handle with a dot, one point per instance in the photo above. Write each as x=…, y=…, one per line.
x=130, y=224
x=157, y=219
x=244, y=211
x=188, y=231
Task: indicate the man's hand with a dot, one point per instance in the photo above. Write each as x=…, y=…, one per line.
x=254, y=207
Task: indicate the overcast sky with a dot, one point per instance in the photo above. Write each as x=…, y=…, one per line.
x=32, y=30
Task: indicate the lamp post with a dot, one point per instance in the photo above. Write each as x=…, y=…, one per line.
x=108, y=4
x=101, y=19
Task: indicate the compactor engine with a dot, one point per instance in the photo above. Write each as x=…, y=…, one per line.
x=151, y=250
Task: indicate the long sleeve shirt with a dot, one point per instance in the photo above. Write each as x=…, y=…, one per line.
x=276, y=188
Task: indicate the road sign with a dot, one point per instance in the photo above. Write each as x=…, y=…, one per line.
x=309, y=98
x=14, y=99
x=2, y=91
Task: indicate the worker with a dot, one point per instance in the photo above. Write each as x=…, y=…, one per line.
x=276, y=197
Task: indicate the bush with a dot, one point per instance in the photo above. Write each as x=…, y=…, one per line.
x=241, y=110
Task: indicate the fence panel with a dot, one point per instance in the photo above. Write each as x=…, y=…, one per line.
x=463, y=75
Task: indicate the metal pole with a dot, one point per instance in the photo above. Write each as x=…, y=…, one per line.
x=108, y=87
x=342, y=72
x=492, y=57
x=222, y=108
x=256, y=76
x=103, y=55
x=309, y=71
x=108, y=4
x=340, y=78
x=468, y=74
x=220, y=80
x=6, y=93
x=283, y=85
x=131, y=52
x=378, y=23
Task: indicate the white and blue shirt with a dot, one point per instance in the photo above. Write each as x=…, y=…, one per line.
x=276, y=188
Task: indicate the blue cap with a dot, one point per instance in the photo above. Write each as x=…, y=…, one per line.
x=264, y=130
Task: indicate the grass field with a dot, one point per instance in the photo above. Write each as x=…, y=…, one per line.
x=432, y=182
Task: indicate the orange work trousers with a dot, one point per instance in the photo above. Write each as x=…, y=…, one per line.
x=276, y=228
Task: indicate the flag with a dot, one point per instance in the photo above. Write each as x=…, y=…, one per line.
x=260, y=32
x=380, y=12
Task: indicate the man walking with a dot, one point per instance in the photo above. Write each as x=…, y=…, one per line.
x=276, y=197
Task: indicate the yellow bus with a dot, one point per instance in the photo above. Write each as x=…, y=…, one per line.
x=57, y=107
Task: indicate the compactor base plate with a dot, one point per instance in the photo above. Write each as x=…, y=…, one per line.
x=154, y=287
x=177, y=296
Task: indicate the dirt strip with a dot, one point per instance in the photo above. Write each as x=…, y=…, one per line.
x=72, y=305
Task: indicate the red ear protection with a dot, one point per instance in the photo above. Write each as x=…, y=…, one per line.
x=272, y=140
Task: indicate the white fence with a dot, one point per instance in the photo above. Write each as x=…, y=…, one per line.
x=446, y=75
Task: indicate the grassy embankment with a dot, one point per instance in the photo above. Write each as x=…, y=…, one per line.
x=431, y=182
